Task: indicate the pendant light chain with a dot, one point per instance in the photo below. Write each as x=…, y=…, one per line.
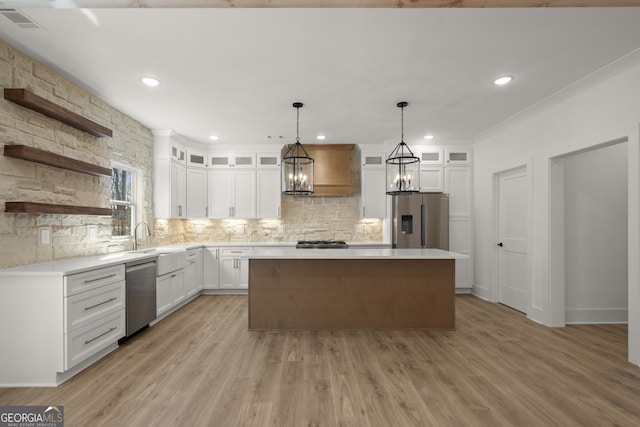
x=297, y=124
x=402, y=123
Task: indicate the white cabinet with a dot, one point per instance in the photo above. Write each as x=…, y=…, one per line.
x=269, y=193
x=177, y=286
x=458, y=183
x=234, y=268
x=431, y=179
x=232, y=194
x=210, y=266
x=196, y=158
x=268, y=160
x=193, y=276
x=197, y=193
x=232, y=160
x=94, y=307
x=431, y=156
x=170, y=290
x=373, y=196
x=163, y=294
x=458, y=156
x=169, y=176
x=54, y=325
x=178, y=190
x=178, y=152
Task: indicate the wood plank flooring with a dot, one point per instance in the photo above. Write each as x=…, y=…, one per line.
x=201, y=367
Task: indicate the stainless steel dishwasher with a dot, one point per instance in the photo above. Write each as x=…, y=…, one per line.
x=141, y=294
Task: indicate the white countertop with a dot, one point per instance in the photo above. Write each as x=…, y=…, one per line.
x=75, y=265
x=81, y=264
x=353, y=253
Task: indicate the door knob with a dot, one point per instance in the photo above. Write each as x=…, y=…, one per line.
x=500, y=244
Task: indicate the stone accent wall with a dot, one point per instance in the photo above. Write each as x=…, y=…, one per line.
x=21, y=180
x=303, y=218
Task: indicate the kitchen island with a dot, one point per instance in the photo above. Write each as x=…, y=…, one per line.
x=350, y=289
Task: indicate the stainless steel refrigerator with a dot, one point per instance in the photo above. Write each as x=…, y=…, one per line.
x=420, y=220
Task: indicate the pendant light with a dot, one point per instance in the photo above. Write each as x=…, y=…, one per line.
x=403, y=167
x=297, y=166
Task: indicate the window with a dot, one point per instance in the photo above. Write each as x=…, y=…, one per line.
x=123, y=197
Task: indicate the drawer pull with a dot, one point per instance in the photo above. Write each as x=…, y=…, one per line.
x=111, y=329
x=101, y=278
x=100, y=303
x=236, y=252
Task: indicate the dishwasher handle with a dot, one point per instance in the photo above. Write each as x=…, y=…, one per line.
x=136, y=267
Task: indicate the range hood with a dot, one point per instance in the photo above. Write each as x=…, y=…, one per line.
x=333, y=169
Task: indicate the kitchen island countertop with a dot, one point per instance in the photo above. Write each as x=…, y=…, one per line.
x=353, y=253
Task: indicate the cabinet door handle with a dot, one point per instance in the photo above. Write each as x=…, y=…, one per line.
x=100, y=303
x=111, y=329
x=217, y=253
x=206, y=211
x=100, y=278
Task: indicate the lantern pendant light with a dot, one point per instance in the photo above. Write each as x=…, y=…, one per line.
x=297, y=166
x=403, y=167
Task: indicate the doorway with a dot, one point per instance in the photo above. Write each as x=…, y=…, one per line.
x=589, y=232
x=513, y=237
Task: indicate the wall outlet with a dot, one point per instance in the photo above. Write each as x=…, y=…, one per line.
x=239, y=229
x=92, y=233
x=199, y=228
x=281, y=229
x=359, y=228
x=44, y=235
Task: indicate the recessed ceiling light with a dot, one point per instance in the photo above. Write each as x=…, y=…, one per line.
x=214, y=137
x=150, y=81
x=320, y=137
x=502, y=80
x=428, y=136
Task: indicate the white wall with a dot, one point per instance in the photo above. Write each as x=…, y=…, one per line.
x=605, y=110
x=596, y=235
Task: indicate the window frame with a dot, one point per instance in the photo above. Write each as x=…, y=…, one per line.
x=136, y=200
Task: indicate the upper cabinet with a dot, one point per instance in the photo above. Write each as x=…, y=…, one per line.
x=458, y=156
x=432, y=156
x=219, y=160
x=373, y=196
x=197, y=158
x=268, y=160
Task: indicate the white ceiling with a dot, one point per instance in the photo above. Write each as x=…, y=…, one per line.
x=236, y=72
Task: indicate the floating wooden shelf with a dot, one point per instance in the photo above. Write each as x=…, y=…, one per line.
x=51, y=159
x=36, y=103
x=45, y=208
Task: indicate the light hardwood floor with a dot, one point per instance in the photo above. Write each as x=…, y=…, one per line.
x=201, y=367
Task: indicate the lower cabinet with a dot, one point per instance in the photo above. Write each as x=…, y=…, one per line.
x=170, y=290
x=226, y=267
x=56, y=324
x=211, y=257
x=234, y=268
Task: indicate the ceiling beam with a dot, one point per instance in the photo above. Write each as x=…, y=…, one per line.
x=25, y=4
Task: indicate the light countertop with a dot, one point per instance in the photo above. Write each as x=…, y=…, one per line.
x=353, y=253
x=261, y=249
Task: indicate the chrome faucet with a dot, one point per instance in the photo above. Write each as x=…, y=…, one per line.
x=146, y=233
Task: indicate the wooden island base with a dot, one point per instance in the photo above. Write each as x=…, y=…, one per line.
x=339, y=294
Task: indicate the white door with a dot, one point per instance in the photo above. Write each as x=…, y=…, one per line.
x=220, y=193
x=196, y=193
x=512, y=239
x=269, y=192
x=244, y=194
